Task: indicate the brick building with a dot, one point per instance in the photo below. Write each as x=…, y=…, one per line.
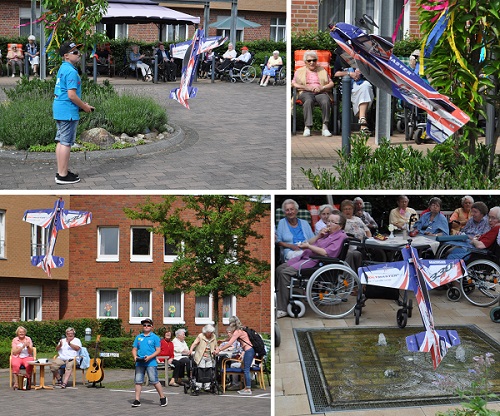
x=113, y=269
x=270, y=15
x=316, y=14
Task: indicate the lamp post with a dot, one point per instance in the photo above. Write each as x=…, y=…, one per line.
x=88, y=334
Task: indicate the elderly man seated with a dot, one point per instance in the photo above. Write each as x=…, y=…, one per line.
x=315, y=87
x=243, y=59
x=166, y=63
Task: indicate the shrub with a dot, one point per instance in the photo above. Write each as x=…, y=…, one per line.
x=26, y=118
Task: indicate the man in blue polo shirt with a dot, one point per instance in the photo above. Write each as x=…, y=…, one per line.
x=66, y=107
x=145, y=349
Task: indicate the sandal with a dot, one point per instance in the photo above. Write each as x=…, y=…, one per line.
x=362, y=121
x=15, y=387
x=174, y=384
x=63, y=385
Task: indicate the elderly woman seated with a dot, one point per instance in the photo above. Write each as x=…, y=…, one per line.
x=292, y=230
x=328, y=242
x=461, y=215
x=433, y=223
x=181, y=361
x=315, y=87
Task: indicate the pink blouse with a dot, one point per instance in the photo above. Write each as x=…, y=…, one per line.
x=241, y=335
x=16, y=343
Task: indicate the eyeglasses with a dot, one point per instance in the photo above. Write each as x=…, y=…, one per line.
x=75, y=53
x=147, y=325
x=311, y=60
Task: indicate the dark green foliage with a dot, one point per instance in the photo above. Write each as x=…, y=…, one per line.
x=447, y=166
x=30, y=104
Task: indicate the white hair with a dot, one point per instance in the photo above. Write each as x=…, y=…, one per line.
x=289, y=201
x=180, y=331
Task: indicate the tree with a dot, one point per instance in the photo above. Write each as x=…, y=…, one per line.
x=465, y=62
x=73, y=20
x=213, y=254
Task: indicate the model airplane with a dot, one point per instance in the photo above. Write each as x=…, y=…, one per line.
x=420, y=276
x=373, y=56
x=190, y=56
x=54, y=220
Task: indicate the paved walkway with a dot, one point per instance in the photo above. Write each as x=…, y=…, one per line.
x=291, y=396
x=117, y=397
x=317, y=152
x=234, y=137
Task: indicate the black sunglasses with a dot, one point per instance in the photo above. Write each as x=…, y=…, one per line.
x=312, y=60
x=75, y=53
x=147, y=325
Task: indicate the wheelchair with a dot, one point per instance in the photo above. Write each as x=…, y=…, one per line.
x=247, y=73
x=330, y=288
x=481, y=285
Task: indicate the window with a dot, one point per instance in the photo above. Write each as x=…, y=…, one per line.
x=108, y=244
x=140, y=305
x=38, y=240
x=228, y=308
x=173, y=308
x=31, y=303
x=107, y=303
x=113, y=31
x=141, y=244
x=278, y=29
x=169, y=252
x=2, y=234
x=331, y=12
x=226, y=32
x=25, y=19
x=203, y=310
x=173, y=33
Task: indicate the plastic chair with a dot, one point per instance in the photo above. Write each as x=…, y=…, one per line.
x=9, y=47
x=33, y=374
x=324, y=59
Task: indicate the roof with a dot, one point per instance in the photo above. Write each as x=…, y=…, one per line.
x=134, y=12
x=277, y=6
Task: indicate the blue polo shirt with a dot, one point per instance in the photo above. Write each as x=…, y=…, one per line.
x=67, y=79
x=146, y=345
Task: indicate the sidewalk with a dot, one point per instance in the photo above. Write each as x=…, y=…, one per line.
x=117, y=397
x=290, y=390
x=234, y=137
x=317, y=152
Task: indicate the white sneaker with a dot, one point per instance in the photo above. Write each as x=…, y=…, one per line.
x=326, y=133
x=281, y=314
x=13, y=75
x=307, y=132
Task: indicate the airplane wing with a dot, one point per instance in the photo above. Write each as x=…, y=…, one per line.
x=70, y=219
x=41, y=217
x=441, y=272
x=373, y=56
x=394, y=275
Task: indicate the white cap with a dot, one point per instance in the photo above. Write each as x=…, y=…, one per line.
x=31, y=37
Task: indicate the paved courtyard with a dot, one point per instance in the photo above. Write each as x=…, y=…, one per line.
x=234, y=137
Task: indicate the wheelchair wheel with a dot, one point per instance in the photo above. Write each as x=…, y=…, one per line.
x=480, y=287
x=281, y=76
x=277, y=335
x=443, y=250
x=453, y=294
x=331, y=291
x=495, y=314
x=248, y=73
x=417, y=136
x=402, y=318
x=296, y=309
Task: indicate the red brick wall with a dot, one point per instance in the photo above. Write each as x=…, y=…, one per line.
x=9, y=16
x=87, y=275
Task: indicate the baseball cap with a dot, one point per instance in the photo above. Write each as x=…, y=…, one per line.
x=147, y=321
x=68, y=47
x=244, y=47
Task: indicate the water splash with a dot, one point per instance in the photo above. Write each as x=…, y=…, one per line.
x=460, y=354
x=381, y=340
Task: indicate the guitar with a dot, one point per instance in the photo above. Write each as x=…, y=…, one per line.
x=95, y=373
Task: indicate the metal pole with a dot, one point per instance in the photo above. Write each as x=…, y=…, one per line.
x=234, y=16
x=43, y=54
x=383, y=108
x=346, y=113
x=156, y=69
x=94, y=61
x=206, y=17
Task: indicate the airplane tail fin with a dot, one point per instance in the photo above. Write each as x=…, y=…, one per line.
x=53, y=261
x=178, y=95
x=436, y=342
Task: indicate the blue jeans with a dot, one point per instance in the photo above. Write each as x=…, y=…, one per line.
x=247, y=364
x=140, y=370
x=66, y=132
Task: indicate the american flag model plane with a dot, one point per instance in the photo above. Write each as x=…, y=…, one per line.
x=419, y=276
x=372, y=54
x=198, y=46
x=54, y=220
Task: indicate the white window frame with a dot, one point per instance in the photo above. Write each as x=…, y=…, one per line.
x=25, y=17
x=38, y=234
x=278, y=28
x=198, y=320
x=232, y=312
x=141, y=258
x=107, y=257
x=169, y=258
x=2, y=234
x=176, y=31
x=31, y=292
x=146, y=314
x=99, y=311
x=167, y=319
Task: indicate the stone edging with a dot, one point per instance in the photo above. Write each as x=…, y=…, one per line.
x=175, y=139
